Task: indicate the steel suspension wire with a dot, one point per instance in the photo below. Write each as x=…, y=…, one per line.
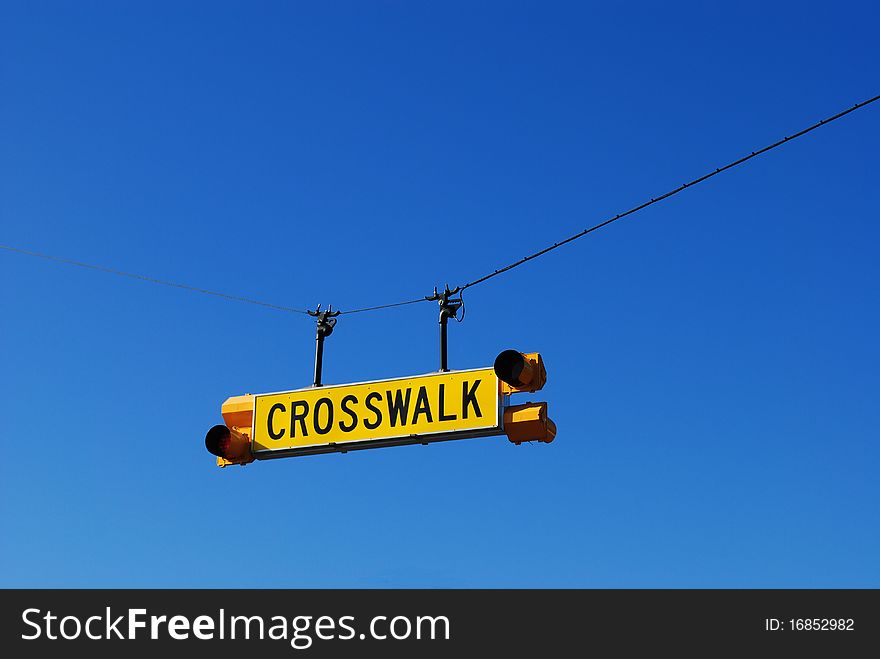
x=384, y=306
x=204, y=291
x=495, y=273
x=675, y=191
x=152, y=280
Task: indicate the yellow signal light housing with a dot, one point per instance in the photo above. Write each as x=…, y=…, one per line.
x=529, y=423
x=231, y=443
x=520, y=371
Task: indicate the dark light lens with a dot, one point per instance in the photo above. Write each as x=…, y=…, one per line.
x=217, y=441
x=509, y=366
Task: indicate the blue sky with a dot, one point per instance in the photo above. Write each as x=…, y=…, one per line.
x=713, y=361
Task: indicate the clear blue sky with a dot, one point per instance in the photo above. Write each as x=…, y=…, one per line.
x=713, y=361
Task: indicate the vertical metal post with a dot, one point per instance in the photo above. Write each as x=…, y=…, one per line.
x=443, y=319
x=325, y=321
x=448, y=309
x=319, y=356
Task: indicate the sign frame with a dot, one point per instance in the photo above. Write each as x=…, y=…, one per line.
x=424, y=438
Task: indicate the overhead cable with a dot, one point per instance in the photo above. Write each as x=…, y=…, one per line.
x=675, y=191
x=153, y=280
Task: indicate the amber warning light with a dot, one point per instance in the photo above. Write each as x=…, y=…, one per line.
x=521, y=372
